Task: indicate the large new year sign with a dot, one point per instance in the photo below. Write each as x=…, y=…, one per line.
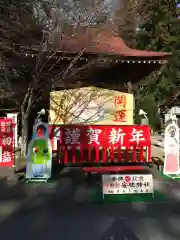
x=100, y=135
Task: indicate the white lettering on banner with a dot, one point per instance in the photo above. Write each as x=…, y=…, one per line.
x=127, y=184
x=93, y=134
x=3, y=127
x=116, y=136
x=7, y=141
x=7, y=156
x=14, y=117
x=8, y=127
x=137, y=136
x=72, y=136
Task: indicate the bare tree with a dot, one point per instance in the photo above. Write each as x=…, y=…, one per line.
x=27, y=41
x=28, y=50
x=87, y=105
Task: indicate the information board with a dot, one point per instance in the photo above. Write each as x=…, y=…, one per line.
x=91, y=105
x=127, y=184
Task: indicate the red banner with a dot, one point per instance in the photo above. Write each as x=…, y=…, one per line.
x=102, y=135
x=6, y=142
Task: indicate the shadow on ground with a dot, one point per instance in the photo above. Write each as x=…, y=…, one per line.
x=51, y=211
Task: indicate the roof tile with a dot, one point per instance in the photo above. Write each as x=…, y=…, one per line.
x=100, y=42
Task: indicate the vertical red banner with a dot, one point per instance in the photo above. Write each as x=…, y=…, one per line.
x=6, y=143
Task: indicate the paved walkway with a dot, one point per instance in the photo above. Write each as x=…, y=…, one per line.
x=62, y=211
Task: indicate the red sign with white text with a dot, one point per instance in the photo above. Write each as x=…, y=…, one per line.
x=99, y=135
x=6, y=142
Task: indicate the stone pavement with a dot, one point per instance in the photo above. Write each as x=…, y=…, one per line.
x=63, y=210
x=59, y=211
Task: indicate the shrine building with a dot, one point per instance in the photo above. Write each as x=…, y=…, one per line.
x=103, y=60
x=91, y=57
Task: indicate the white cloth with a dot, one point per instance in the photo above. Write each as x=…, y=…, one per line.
x=38, y=170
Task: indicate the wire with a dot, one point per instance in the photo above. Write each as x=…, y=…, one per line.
x=8, y=109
